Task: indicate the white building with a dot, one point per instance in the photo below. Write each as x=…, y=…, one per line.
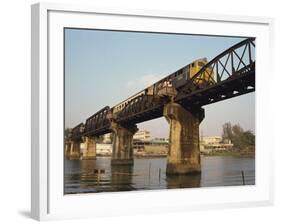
x=107, y=138
x=213, y=143
x=142, y=135
x=211, y=140
x=104, y=149
x=101, y=149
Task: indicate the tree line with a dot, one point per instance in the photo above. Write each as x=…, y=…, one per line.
x=242, y=140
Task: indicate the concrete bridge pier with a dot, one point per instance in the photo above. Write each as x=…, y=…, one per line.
x=122, y=151
x=67, y=149
x=90, y=148
x=184, y=149
x=74, y=153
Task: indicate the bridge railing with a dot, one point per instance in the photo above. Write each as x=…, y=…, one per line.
x=77, y=132
x=235, y=61
x=96, y=122
x=138, y=106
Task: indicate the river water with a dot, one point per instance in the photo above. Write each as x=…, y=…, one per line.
x=81, y=175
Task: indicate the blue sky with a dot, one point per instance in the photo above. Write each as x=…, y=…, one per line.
x=105, y=67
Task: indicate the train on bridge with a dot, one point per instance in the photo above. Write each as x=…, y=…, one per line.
x=166, y=87
x=174, y=82
x=202, y=82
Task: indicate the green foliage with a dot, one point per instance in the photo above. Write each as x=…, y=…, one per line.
x=227, y=132
x=248, y=138
x=241, y=140
x=99, y=139
x=67, y=132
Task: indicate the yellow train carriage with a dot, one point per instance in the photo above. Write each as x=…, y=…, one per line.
x=195, y=67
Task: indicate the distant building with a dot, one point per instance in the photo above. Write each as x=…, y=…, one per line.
x=142, y=136
x=159, y=141
x=211, y=139
x=213, y=143
x=104, y=149
x=107, y=138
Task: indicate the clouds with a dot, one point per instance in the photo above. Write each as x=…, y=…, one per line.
x=144, y=81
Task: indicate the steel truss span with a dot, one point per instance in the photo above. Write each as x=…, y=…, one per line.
x=230, y=74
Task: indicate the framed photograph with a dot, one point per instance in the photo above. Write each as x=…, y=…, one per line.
x=148, y=111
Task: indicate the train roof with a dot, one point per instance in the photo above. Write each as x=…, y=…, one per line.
x=166, y=77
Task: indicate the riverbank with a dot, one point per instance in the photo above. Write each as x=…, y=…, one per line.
x=149, y=156
x=230, y=153
x=226, y=154
x=138, y=156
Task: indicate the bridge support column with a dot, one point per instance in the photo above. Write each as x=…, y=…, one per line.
x=122, y=152
x=90, y=148
x=184, y=149
x=74, y=150
x=67, y=149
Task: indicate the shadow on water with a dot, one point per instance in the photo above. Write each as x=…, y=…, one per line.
x=95, y=176
x=88, y=177
x=121, y=177
x=183, y=181
x=85, y=176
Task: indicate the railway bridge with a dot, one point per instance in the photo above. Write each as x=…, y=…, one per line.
x=230, y=74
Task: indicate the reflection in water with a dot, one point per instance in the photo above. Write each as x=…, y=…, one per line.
x=227, y=171
x=88, y=178
x=85, y=176
x=121, y=177
x=183, y=181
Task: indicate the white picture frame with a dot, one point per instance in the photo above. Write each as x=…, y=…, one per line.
x=48, y=201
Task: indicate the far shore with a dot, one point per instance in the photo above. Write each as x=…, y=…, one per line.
x=224, y=154
x=229, y=153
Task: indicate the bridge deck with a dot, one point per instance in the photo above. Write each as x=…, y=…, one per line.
x=234, y=71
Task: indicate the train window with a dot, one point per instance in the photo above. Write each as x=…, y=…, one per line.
x=180, y=76
x=201, y=64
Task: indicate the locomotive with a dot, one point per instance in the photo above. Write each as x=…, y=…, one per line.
x=175, y=80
